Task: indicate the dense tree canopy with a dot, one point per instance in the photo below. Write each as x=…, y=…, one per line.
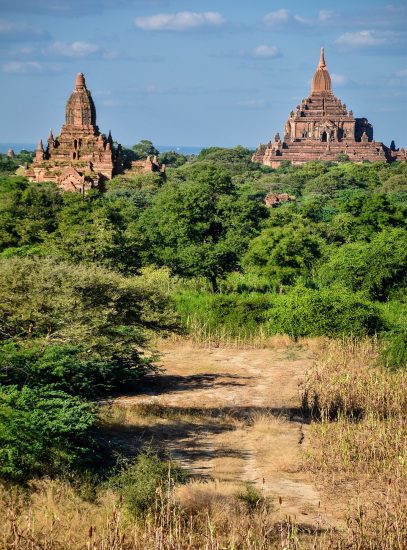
x=201, y=226
x=85, y=281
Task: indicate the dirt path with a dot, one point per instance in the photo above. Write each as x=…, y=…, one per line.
x=230, y=415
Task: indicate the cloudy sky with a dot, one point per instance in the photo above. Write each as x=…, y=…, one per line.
x=198, y=72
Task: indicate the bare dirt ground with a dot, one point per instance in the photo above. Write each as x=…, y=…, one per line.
x=231, y=416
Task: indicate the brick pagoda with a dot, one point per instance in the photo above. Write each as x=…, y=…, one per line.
x=322, y=128
x=80, y=158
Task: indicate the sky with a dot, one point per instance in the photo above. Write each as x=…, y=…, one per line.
x=199, y=72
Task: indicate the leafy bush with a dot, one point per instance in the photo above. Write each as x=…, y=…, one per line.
x=147, y=483
x=68, y=368
x=78, y=328
x=327, y=312
x=238, y=314
x=283, y=253
x=377, y=268
x=394, y=350
x=43, y=432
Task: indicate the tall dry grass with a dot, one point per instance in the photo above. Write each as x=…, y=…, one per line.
x=359, y=441
x=51, y=516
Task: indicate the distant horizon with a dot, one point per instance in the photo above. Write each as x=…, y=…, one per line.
x=182, y=149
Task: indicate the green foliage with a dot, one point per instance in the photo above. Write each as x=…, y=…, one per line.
x=172, y=158
x=9, y=165
x=43, y=432
x=234, y=160
x=253, y=498
x=331, y=312
x=144, y=148
x=282, y=254
x=200, y=226
x=68, y=368
x=27, y=212
x=237, y=314
x=377, y=268
x=394, y=350
x=374, y=213
x=147, y=484
x=99, y=316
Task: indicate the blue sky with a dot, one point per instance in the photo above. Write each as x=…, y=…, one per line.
x=198, y=72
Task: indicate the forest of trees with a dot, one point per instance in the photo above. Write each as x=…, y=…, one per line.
x=86, y=281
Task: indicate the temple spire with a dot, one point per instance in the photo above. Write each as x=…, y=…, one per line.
x=321, y=81
x=322, y=63
x=80, y=81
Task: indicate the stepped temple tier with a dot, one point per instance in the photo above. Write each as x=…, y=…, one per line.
x=80, y=157
x=322, y=128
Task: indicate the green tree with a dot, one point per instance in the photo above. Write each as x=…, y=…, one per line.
x=144, y=148
x=27, y=211
x=377, y=268
x=172, y=158
x=330, y=312
x=200, y=226
x=43, y=432
x=283, y=253
x=105, y=316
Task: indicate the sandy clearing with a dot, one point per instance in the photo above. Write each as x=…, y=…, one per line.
x=231, y=415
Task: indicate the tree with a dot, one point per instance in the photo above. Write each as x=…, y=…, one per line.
x=76, y=327
x=27, y=211
x=376, y=268
x=333, y=312
x=143, y=149
x=200, y=226
x=283, y=253
x=172, y=158
x=94, y=229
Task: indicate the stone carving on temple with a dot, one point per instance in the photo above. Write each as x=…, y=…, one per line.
x=322, y=128
x=80, y=157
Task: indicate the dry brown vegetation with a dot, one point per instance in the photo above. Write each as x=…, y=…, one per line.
x=263, y=475
x=359, y=446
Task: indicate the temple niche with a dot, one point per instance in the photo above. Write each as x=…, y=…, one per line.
x=80, y=157
x=322, y=128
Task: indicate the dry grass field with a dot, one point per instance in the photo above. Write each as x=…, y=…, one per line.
x=234, y=417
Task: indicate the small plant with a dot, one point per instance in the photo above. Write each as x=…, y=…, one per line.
x=252, y=497
x=147, y=484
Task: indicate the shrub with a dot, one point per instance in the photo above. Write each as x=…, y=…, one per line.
x=394, y=350
x=378, y=267
x=43, y=432
x=237, y=314
x=148, y=482
x=67, y=368
x=327, y=312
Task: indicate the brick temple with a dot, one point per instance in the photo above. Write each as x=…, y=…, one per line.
x=322, y=128
x=80, y=157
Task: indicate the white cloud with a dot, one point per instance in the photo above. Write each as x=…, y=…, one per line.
x=402, y=73
x=339, y=79
x=22, y=67
x=326, y=16
x=74, y=49
x=181, y=21
x=284, y=18
x=360, y=39
x=20, y=32
x=265, y=51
